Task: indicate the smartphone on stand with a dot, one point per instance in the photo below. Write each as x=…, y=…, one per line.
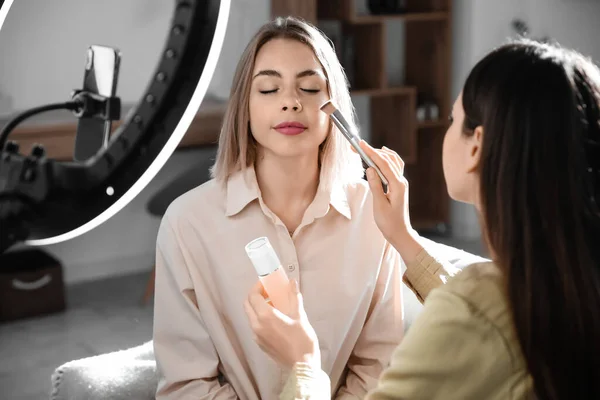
x=100, y=78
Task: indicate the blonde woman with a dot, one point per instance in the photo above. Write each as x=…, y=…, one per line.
x=282, y=171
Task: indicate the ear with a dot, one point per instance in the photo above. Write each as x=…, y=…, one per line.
x=474, y=152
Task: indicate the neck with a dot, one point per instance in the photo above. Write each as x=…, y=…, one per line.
x=287, y=183
x=484, y=238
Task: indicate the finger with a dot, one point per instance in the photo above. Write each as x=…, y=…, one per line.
x=296, y=300
x=397, y=161
x=259, y=305
x=292, y=288
x=396, y=165
x=266, y=313
x=401, y=193
x=386, y=156
x=258, y=288
x=389, y=156
x=375, y=184
x=404, y=183
x=382, y=163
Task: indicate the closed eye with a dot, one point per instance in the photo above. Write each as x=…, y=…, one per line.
x=312, y=91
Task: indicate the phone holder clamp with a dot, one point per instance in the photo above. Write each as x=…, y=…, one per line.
x=92, y=105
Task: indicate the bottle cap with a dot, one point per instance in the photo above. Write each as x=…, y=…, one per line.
x=263, y=256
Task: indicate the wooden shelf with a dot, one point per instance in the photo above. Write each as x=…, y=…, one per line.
x=367, y=43
x=427, y=56
x=389, y=91
x=416, y=10
x=428, y=195
x=58, y=134
x=393, y=120
x=407, y=17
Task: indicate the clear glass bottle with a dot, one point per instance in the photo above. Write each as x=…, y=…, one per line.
x=270, y=272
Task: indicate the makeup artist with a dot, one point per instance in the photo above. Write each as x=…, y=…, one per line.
x=523, y=147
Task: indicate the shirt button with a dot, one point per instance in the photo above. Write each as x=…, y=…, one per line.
x=291, y=267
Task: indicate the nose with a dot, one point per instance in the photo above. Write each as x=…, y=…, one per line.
x=291, y=102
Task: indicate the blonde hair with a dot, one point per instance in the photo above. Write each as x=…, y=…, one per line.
x=237, y=147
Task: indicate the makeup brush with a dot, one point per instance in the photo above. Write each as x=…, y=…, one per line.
x=339, y=121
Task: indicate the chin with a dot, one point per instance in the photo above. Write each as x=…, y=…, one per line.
x=287, y=152
x=297, y=149
x=290, y=154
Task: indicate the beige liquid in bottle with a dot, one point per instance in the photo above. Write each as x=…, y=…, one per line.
x=270, y=272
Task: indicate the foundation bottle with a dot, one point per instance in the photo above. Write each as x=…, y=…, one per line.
x=270, y=272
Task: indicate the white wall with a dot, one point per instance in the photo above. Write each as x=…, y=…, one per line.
x=43, y=45
x=480, y=25
x=574, y=23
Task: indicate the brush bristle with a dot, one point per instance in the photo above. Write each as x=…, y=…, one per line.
x=328, y=107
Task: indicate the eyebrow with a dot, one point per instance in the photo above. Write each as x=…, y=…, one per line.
x=302, y=74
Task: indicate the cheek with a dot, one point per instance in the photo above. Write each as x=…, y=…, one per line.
x=322, y=124
x=257, y=113
x=317, y=119
x=450, y=158
x=446, y=151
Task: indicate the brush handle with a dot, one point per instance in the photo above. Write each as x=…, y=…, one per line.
x=343, y=125
x=369, y=162
x=354, y=139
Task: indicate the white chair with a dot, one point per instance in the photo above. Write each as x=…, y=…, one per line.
x=127, y=374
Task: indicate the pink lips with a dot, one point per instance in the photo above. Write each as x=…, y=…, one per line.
x=290, y=128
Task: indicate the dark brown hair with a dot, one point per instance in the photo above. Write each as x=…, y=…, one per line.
x=539, y=106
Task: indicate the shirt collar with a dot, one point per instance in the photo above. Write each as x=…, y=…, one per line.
x=338, y=198
x=242, y=189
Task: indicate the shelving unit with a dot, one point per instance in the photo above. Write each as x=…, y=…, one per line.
x=427, y=40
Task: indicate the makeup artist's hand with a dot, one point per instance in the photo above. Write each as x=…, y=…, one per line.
x=287, y=339
x=391, y=209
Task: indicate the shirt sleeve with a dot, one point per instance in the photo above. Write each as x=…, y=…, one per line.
x=426, y=273
x=186, y=359
x=306, y=383
x=450, y=352
x=381, y=333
